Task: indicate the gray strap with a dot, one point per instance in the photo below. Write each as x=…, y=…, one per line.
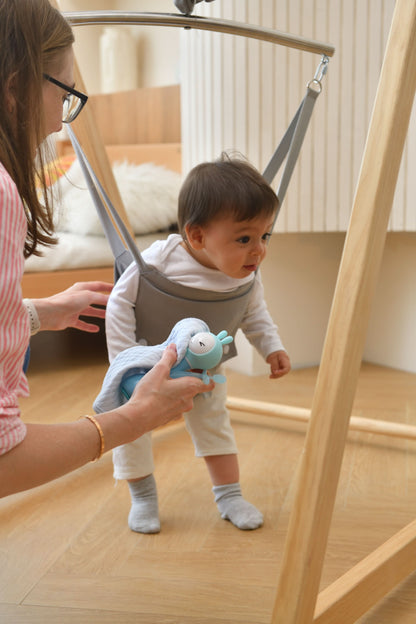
x=281, y=150
x=290, y=145
x=103, y=204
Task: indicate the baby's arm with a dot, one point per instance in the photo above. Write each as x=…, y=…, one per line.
x=120, y=321
x=279, y=364
x=261, y=331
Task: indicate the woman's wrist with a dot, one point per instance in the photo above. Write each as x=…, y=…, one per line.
x=33, y=316
x=97, y=425
x=118, y=426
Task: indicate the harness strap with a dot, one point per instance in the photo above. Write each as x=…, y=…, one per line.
x=122, y=256
x=290, y=145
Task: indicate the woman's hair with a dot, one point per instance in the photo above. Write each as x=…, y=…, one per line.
x=227, y=187
x=33, y=38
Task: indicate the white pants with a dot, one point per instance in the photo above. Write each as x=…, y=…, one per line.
x=208, y=424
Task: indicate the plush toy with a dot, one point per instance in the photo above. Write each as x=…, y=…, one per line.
x=204, y=352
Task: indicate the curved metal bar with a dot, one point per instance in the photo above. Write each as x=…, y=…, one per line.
x=83, y=18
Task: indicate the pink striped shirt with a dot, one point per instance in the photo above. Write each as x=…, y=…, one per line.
x=14, y=320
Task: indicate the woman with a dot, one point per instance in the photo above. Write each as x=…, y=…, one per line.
x=36, y=94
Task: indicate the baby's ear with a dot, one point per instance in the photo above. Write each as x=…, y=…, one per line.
x=195, y=236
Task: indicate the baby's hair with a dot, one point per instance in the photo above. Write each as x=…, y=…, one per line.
x=227, y=187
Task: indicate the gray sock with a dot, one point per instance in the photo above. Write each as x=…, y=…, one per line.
x=144, y=512
x=232, y=506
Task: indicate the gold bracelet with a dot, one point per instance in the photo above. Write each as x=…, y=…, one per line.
x=100, y=432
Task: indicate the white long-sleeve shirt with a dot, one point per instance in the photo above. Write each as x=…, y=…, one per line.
x=172, y=259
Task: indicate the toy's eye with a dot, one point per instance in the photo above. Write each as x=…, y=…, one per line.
x=201, y=342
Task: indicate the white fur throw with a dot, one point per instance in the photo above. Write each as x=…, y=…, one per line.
x=149, y=194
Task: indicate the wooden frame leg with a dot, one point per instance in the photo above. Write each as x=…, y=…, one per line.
x=90, y=138
x=354, y=593
x=337, y=378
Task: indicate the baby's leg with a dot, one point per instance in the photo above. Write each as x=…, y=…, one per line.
x=134, y=463
x=144, y=511
x=232, y=506
x=213, y=437
x=223, y=468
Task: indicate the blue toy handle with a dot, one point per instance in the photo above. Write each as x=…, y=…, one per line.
x=128, y=384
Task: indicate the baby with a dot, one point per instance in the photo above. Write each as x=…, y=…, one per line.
x=226, y=212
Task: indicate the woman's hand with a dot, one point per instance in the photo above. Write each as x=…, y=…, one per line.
x=158, y=399
x=65, y=308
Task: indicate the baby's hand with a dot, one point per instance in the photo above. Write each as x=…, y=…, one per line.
x=279, y=364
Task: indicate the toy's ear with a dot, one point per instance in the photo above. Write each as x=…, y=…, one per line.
x=224, y=338
x=195, y=236
x=227, y=340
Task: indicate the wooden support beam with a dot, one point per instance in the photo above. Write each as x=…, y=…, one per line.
x=302, y=414
x=354, y=593
x=310, y=519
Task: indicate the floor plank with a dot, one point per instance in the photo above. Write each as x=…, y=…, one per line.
x=67, y=555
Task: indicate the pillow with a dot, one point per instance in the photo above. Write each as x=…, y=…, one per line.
x=149, y=193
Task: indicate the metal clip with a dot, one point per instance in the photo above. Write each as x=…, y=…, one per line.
x=321, y=70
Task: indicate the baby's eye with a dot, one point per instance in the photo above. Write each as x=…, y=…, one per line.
x=266, y=236
x=244, y=240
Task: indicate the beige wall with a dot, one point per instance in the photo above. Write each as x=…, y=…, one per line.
x=299, y=276
x=391, y=338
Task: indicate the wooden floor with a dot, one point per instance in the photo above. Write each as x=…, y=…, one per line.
x=67, y=555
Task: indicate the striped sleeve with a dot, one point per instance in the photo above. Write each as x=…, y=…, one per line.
x=14, y=321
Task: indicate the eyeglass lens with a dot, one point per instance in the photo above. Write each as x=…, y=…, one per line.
x=72, y=106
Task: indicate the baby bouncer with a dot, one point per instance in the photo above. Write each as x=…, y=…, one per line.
x=297, y=598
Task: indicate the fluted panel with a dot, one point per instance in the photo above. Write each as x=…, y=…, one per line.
x=240, y=94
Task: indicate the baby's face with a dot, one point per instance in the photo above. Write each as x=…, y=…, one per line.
x=235, y=248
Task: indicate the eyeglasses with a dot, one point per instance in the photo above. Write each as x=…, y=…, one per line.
x=74, y=100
